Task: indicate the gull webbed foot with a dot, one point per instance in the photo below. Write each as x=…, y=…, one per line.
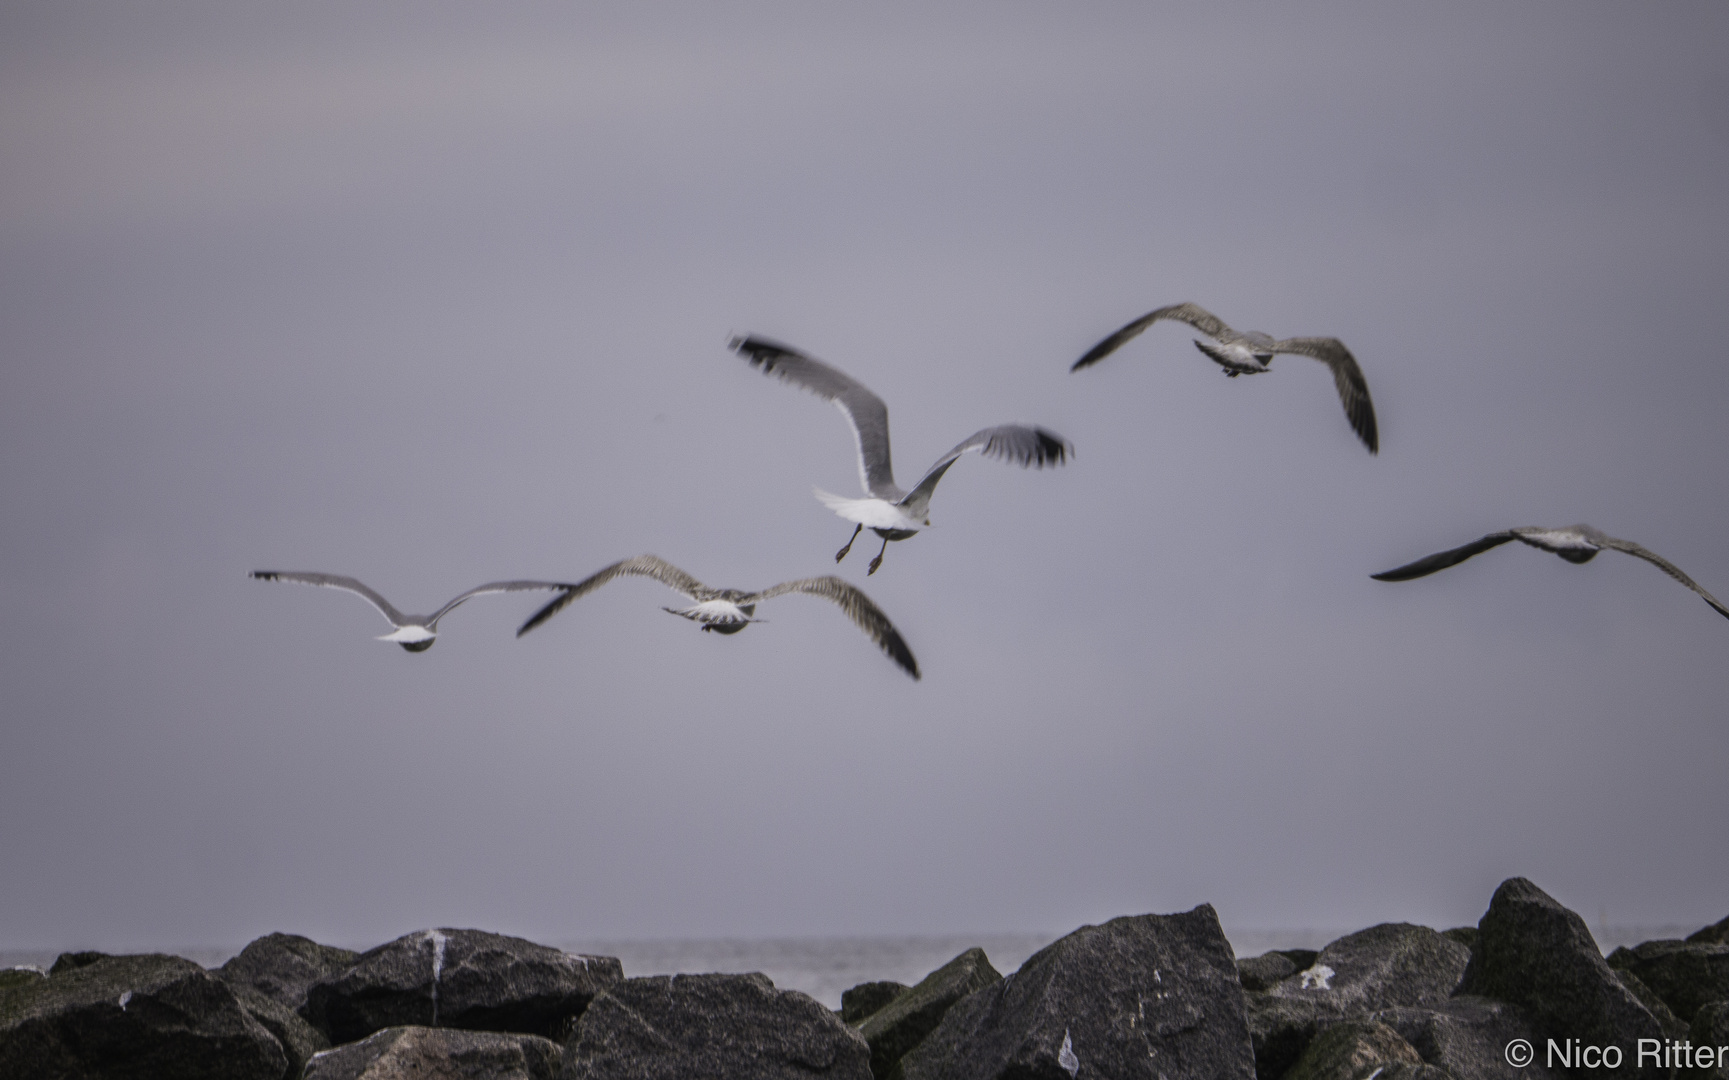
x=841, y=554
x=878, y=561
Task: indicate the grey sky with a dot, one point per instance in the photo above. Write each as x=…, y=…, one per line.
x=438, y=295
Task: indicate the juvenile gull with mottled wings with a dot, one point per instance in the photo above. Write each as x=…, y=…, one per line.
x=1575, y=543
x=727, y=611
x=886, y=510
x=1251, y=353
x=415, y=633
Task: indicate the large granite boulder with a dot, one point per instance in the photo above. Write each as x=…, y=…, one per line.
x=1382, y=967
x=1538, y=955
x=1686, y=975
x=284, y=966
x=1715, y=934
x=423, y=1053
x=298, y=1039
x=1468, y=1037
x=1280, y=1029
x=1263, y=972
x=72, y=961
x=1711, y=1029
x=133, y=1017
x=867, y=998
x=904, y=1022
x=1152, y=996
x=1353, y=1050
x=718, y=1027
x=1464, y=935
x=462, y=979
x=1673, y=1026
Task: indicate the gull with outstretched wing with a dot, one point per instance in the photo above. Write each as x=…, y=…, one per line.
x=1251, y=353
x=727, y=611
x=416, y=633
x=1575, y=543
x=886, y=510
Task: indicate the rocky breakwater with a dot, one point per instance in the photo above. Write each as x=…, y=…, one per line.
x=1160, y=997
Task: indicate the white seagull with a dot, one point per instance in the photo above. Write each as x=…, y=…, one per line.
x=1575, y=543
x=416, y=633
x=1251, y=353
x=727, y=611
x=886, y=510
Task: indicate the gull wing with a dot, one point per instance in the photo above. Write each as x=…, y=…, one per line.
x=1347, y=378
x=865, y=411
x=336, y=581
x=858, y=607
x=1667, y=567
x=1023, y=445
x=497, y=587
x=1442, y=560
x=1193, y=314
x=641, y=566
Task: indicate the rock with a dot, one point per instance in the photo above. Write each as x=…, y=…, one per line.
x=133, y=1016
x=903, y=1023
x=466, y=979
x=867, y=998
x=1673, y=1027
x=298, y=1039
x=283, y=966
x=1401, y=1070
x=1538, y=955
x=718, y=1027
x=1686, y=975
x=1467, y=1036
x=19, y=976
x=423, y=1053
x=72, y=961
x=1261, y=972
x=1353, y=1050
x=1140, y=996
x=1301, y=959
x=1464, y=935
x=1715, y=934
x=1280, y=1030
x=1711, y=1028
x=1384, y=966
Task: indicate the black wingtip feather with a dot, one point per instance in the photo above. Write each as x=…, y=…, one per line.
x=1053, y=448
x=553, y=607
x=760, y=351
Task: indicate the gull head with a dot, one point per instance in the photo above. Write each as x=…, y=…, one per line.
x=412, y=638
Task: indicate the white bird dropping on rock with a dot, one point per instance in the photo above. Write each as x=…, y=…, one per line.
x=1066, y=1056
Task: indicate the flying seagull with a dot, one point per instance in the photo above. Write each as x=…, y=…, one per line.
x=1251, y=353
x=886, y=510
x=416, y=633
x=727, y=611
x=1575, y=543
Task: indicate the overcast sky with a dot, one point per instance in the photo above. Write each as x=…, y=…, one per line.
x=434, y=295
